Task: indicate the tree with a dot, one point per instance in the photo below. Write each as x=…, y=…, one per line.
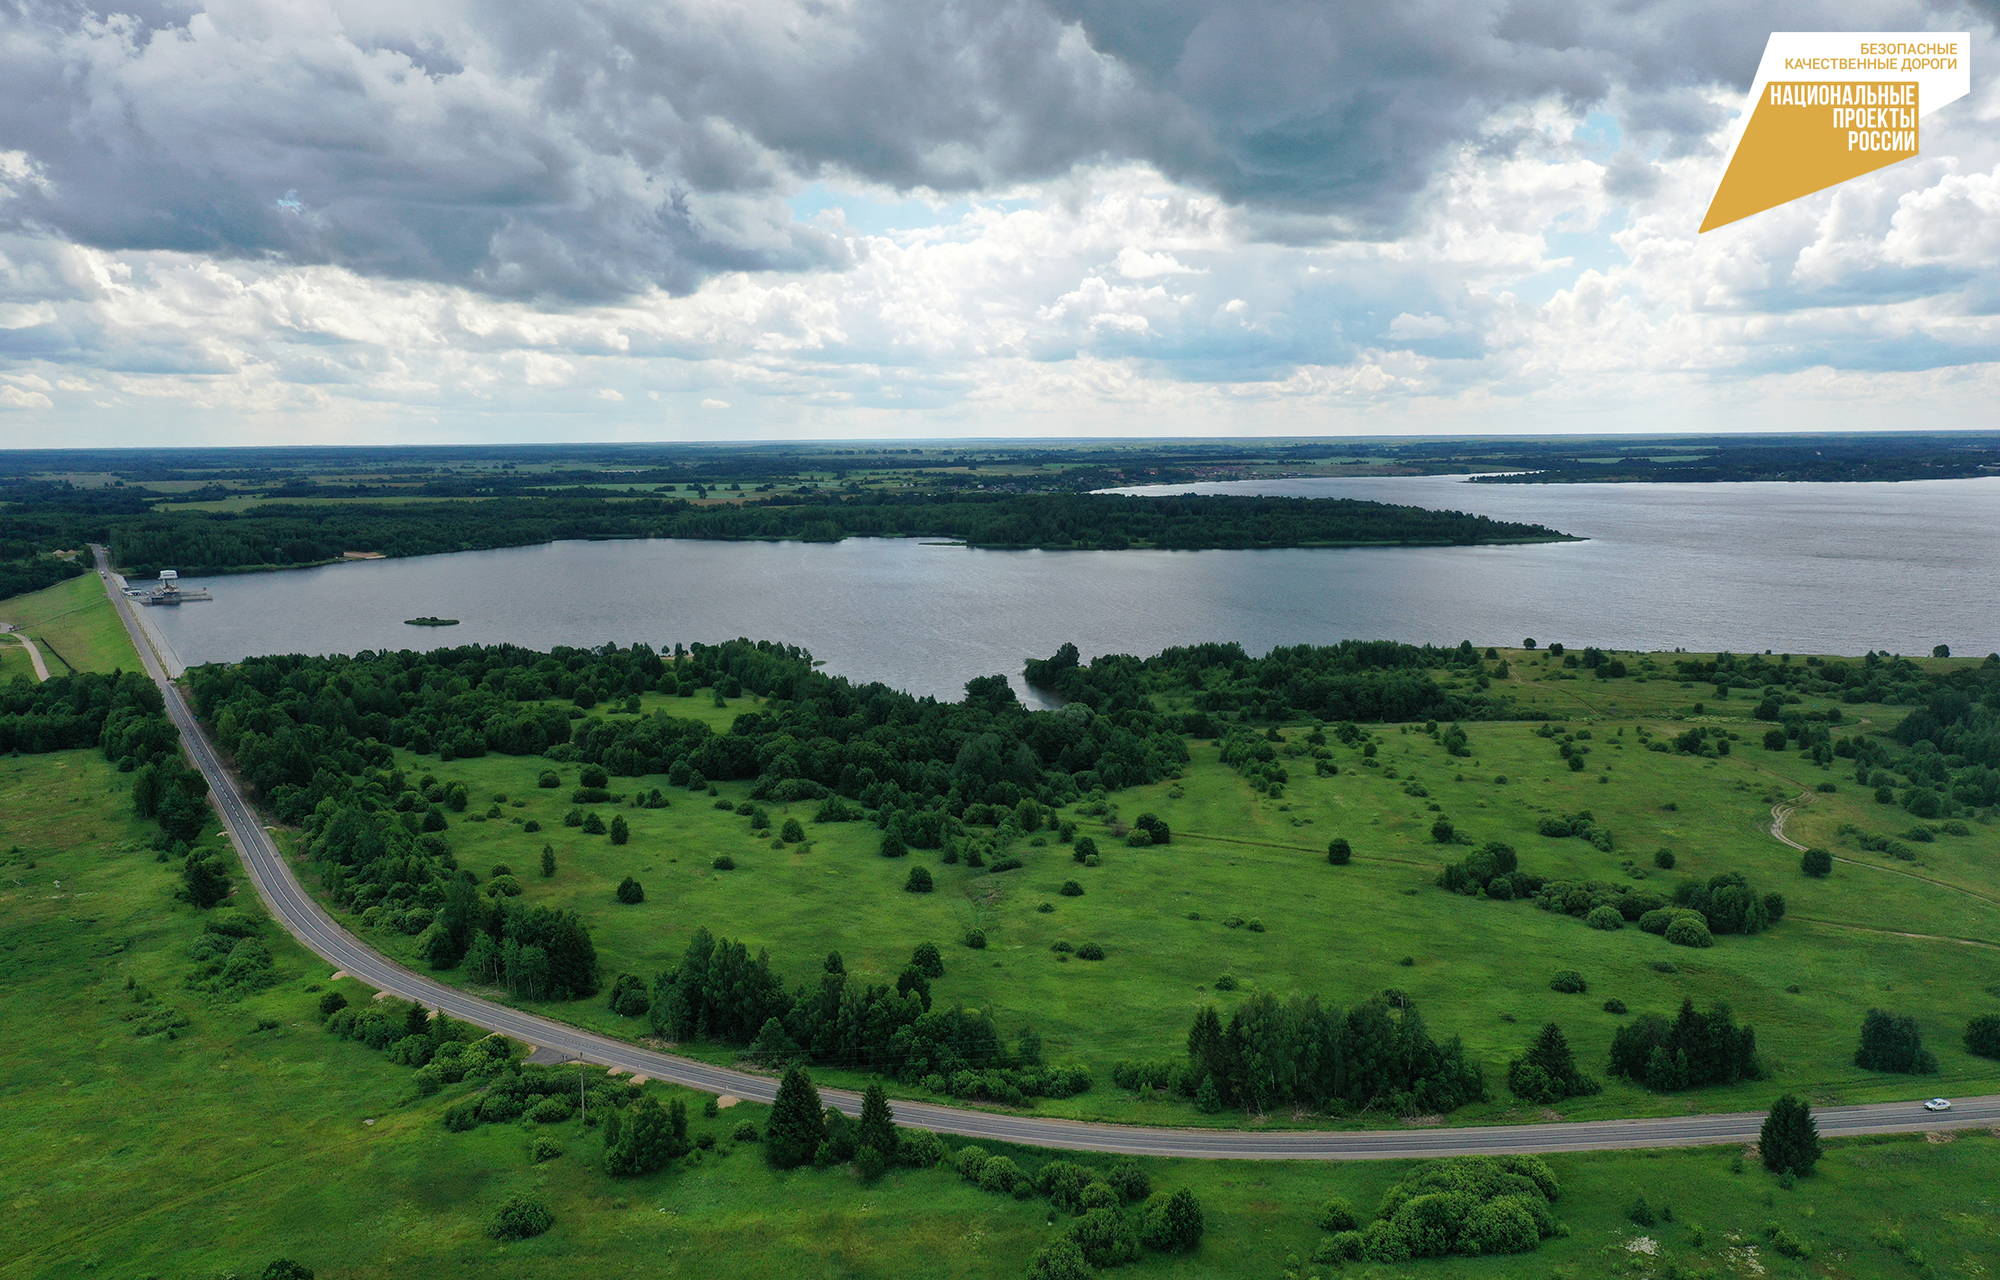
x=877, y=1128
x=1547, y=1072
x=548, y=861
x=630, y=891
x=798, y=1121
x=1339, y=852
x=1789, y=1141
x=1982, y=1036
x=1942, y=651
x=1891, y=1042
x=629, y=998
x=774, y=1046
x=645, y=1141
x=1084, y=850
x=919, y=881
x=929, y=960
x=1443, y=832
x=620, y=832
x=892, y=844
x=1816, y=862
x=1175, y=1224
x=204, y=880
x=592, y=824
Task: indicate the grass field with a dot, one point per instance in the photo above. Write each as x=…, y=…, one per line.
x=209, y=1154
x=1921, y=937
x=76, y=625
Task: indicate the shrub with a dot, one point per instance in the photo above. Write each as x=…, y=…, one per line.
x=1605, y=918
x=1686, y=932
x=1339, y=852
x=621, y=833
x=744, y=1132
x=1060, y=1259
x=1442, y=832
x=1085, y=847
x=1129, y=1181
x=593, y=825
x=928, y=960
x=1664, y=859
x=976, y=939
x=792, y=832
x=629, y=998
x=630, y=892
x=593, y=776
x=285, y=1269
x=1226, y=982
x=331, y=1003
x=544, y=1148
x=1784, y=1242
x=1174, y=1225
x=1090, y=951
x=548, y=781
x=1071, y=889
x=520, y=1218
x=724, y=863
x=998, y=1174
x=919, y=881
x=1338, y=1215
x=1816, y=862
x=1569, y=982
x=1614, y=1006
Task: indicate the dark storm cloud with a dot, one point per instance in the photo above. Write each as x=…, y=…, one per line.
x=586, y=151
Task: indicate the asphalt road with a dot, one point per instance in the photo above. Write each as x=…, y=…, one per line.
x=34, y=655
x=312, y=926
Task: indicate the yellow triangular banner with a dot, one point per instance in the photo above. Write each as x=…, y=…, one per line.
x=1805, y=137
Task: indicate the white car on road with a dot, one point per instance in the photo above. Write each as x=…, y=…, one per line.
x=1938, y=1104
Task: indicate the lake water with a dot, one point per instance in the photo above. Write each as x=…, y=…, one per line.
x=1829, y=568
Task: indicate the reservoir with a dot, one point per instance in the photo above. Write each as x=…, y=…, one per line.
x=1801, y=568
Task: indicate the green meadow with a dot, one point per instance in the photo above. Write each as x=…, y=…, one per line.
x=1919, y=937
x=76, y=626
x=154, y=1130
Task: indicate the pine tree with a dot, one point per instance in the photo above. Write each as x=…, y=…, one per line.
x=415, y=1022
x=928, y=959
x=773, y=1046
x=877, y=1128
x=1547, y=1072
x=548, y=861
x=1789, y=1142
x=620, y=832
x=798, y=1121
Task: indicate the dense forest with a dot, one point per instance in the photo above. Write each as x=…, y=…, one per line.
x=1298, y=1053
x=18, y=577
x=283, y=535
x=1822, y=458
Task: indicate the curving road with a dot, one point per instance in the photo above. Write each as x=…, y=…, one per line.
x=312, y=926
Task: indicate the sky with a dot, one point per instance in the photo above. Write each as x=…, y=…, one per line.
x=457, y=221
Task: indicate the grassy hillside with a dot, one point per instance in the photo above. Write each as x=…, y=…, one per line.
x=76, y=625
x=207, y=1153
x=1918, y=937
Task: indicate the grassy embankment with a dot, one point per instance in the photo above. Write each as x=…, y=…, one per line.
x=208, y=1154
x=1921, y=937
x=76, y=626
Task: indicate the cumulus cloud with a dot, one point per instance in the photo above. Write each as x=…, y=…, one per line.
x=368, y=219
x=606, y=148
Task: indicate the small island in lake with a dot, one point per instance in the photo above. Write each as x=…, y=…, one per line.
x=430, y=622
